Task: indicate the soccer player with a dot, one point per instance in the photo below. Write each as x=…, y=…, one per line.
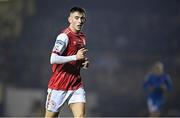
x=156, y=84
x=67, y=58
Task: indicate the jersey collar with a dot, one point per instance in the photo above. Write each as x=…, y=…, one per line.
x=76, y=34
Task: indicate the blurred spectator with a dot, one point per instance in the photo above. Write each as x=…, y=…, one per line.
x=156, y=84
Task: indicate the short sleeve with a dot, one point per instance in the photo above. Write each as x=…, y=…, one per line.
x=169, y=83
x=60, y=44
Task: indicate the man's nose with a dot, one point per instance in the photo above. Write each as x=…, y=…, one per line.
x=80, y=20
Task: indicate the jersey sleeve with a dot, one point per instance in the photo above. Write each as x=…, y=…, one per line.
x=147, y=83
x=60, y=44
x=169, y=83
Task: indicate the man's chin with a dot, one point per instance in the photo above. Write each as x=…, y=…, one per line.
x=78, y=29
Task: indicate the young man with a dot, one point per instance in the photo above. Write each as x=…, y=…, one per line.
x=156, y=84
x=67, y=58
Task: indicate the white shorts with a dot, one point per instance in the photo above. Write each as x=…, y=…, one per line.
x=152, y=106
x=56, y=98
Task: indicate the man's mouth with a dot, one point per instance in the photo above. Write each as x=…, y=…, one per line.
x=79, y=25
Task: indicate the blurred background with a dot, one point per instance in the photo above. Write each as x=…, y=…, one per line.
x=125, y=37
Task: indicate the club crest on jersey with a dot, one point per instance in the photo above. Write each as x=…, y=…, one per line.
x=74, y=42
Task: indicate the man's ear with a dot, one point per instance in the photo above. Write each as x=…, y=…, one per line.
x=69, y=19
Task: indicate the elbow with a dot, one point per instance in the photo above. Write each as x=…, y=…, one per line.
x=52, y=61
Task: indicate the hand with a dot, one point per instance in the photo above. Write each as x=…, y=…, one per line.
x=151, y=88
x=163, y=87
x=81, y=53
x=86, y=63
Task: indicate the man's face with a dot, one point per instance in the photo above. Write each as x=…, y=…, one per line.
x=76, y=20
x=159, y=69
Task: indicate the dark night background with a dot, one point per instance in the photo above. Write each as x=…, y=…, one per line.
x=124, y=39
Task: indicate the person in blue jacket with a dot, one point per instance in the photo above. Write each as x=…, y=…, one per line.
x=156, y=84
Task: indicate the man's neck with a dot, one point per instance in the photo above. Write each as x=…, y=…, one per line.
x=73, y=30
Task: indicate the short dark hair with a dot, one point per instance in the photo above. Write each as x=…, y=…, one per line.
x=79, y=9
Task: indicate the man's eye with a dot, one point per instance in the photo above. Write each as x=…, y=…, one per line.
x=76, y=17
x=83, y=19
